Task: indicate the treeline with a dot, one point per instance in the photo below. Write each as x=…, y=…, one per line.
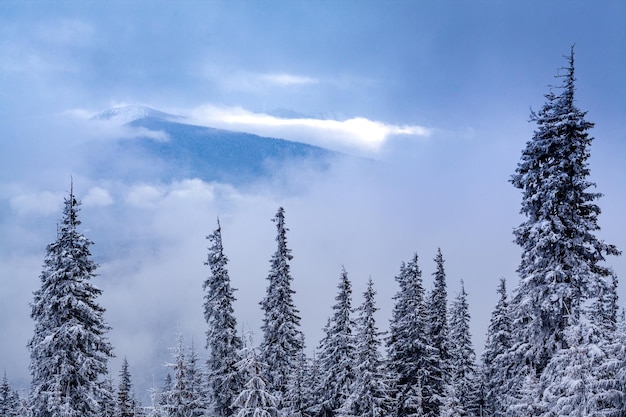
x=553, y=348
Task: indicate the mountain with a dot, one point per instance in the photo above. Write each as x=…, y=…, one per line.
x=168, y=149
x=127, y=114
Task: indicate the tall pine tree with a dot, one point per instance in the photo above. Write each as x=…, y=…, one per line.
x=223, y=343
x=438, y=375
x=462, y=356
x=69, y=350
x=495, y=369
x=9, y=399
x=410, y=356
x=369, y=394
x=337, y=353
x=126, y=404
x=282, y=341
x=562, y=259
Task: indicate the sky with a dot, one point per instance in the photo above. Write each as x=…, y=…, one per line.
x=439, y=93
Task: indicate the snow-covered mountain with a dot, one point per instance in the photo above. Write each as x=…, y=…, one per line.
x=168, y=149
x=127, y=114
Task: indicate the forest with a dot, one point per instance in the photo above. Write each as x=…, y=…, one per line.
x=554, y=345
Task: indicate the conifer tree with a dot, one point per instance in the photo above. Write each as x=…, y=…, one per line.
x=298, y=396
x=126, y=403
x=495, y=369
x=338, y=352
x=410, y=356
x=9, y=399
x=254, y=400
x=177, y=397
x=186, y=395
x=282, y=341
x=462, y=356
x=69, y=350
x=562, y=259
x=195, y=378
x=369, y=394
x=223, y=342
x=438, y=376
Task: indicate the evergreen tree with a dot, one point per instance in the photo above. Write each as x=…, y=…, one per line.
x=126, y=403
x=573, y=383
x=438, y=375
x=495, y=367
x=69, y=350
x=369, y=397
x=562, y=260
x=338, y=352
x=282, y=341
x=298, y=396
x=9, y=399
x=185, y=398
x=254, y=400
x=409, y=353
x=176, y=398
x=195, y=384
x=462, y=356
x=223, y=343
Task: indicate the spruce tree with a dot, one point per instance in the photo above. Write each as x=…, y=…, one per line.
x=462, y=356
x=195, y=383
x=254, y=400
x=69, y=350
x=438, y=375
x=298, y=397
x=282, y=341
x=177, y=398
x=410, y=356
x=562, y=259
x=223, y=342
x=495, y=368
x=126, y=403
x=9, y=399
x=369, y=394
x=337, y=354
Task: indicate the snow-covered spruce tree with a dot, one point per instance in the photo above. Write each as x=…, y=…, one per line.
x=574, y=382
x=9, y=399
x=562, y=259
x=254, y=400
x=369, y=397
x=337, y=353
x=176, y=398
x=69, y=350
x=195, y=382
x=282, y=341
x=495, y=369
x=223, y=342
x=463, y=376
x=298, y=396
x=409, y=354
x=436, y=379
x=186, y=396
x=126, y=404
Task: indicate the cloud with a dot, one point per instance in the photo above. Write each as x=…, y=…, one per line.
x=97, y=196
x=38, y=203
x=353, y=134
x=284, y=79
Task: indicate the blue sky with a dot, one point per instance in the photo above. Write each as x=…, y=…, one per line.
x=439, y=91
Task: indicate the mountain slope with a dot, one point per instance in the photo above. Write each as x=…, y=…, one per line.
x=189, y=151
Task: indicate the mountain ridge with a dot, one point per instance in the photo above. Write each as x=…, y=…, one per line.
x=208, y=153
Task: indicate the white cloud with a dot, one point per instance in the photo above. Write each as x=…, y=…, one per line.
x=358, y=133
x=42, y=203
x=97, y=196
x=285, y=79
